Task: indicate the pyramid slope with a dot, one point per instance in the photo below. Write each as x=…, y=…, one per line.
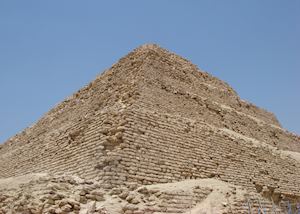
x=154, y=117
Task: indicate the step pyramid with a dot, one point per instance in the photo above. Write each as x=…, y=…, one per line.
x=152, y=134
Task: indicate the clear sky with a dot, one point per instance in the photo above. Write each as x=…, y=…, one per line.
x=50, y=49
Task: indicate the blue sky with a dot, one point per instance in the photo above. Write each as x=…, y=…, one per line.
x=50, y=49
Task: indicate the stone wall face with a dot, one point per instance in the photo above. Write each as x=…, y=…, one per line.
x=72, y=153
x=161, y=148
x=68, y=139
x=186, y=103
x=174, y=74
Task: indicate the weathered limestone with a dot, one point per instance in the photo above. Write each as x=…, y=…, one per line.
x=155, y=118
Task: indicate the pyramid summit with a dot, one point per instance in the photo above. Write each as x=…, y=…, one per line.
x=152, y=134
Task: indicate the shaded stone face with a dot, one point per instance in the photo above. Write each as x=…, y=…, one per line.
x=154, y=118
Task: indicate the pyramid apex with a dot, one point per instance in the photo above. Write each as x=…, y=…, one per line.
x=148, y=47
